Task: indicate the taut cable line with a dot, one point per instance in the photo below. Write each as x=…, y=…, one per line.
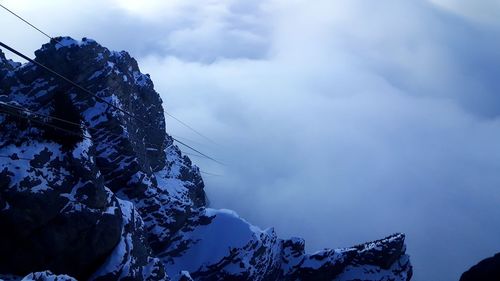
x=15, y=157
x=55, y=73
x=57, y=41
x=28, y=23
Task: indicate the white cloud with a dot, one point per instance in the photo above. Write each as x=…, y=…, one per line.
x=151, y=10
x=348, y=167
x=358, y=125
x=483, y=11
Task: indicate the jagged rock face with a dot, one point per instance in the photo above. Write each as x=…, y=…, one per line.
x=56, y=212
x=57, y=207
x=486, y=270
x=115, y=199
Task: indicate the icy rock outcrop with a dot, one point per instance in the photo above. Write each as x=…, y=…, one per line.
x=116, y=199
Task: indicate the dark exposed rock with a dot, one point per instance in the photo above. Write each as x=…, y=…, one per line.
x=56, y=217
x=62, y=132
x=486, y=270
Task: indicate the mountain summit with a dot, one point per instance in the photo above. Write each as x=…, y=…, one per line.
x=93, y=188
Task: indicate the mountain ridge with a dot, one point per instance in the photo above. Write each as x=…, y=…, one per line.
x=122, y=202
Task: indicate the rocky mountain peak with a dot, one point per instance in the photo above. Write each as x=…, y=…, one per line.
x=110, y=196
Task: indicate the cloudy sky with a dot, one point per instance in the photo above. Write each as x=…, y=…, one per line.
x=338, y=121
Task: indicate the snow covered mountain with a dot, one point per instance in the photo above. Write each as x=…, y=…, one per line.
x=114, y=198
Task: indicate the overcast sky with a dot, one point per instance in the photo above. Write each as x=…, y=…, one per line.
x=338, y=121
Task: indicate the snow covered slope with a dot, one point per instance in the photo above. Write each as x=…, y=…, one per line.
x=116, y=199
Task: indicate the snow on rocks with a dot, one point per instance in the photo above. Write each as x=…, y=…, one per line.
x=124, y=263
x=47, y=276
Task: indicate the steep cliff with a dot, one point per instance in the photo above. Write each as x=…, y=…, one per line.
x=109, y=195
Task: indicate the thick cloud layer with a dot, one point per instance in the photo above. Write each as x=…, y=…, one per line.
x=338, y=121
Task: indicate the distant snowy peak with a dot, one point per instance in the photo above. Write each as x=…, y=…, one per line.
x=115, y=199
